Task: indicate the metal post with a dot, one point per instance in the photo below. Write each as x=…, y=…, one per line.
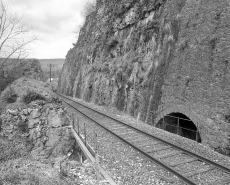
x=96, y=156
x=50, y=72
x=196, y=136
x=149, y=106
x=96, y=143
x=78, y=127
x=81, y=157
x=178, y=124
x=85, y=133
x=73, y=124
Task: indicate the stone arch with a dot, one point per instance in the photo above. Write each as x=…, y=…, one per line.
x=196, y=119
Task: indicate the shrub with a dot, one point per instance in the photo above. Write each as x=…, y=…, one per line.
x=89, y=7
x=4, y=82
x=32, y=96
x=10, y=96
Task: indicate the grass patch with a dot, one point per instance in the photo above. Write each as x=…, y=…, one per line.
x=11, y=149
x=10, y=96
x=30, y=172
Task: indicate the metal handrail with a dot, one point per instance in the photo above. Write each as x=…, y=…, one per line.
x=181, y=127
x=85, y=133
x=178, y=118
x=159, y=112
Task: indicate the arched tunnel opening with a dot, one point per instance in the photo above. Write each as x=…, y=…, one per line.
x=180, y=124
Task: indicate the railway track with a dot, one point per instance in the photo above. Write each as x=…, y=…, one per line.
x=183, y=164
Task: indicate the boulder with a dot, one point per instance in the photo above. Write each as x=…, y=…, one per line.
x=55, y=119
x=13, y=112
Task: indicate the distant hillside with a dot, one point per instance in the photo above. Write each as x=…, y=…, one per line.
x=56, y=63
x=56, y=66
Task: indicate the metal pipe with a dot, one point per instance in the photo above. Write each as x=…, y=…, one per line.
x=178, y=125
x=50, y=72
x=85, y=133
x=78, y=127
x=179, y=118
x=73, y=124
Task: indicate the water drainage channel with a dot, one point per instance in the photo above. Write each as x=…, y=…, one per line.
x=132, y=130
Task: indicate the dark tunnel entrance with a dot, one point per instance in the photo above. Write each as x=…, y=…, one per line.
x=180, y=124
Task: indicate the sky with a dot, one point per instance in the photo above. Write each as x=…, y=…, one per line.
x=53, y=23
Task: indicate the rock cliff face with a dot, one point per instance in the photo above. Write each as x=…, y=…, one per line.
x=150, y=58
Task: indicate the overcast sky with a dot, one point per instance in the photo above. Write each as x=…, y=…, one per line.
x=53, y=21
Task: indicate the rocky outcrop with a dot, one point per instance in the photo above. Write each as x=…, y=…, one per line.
x=36, y=145
x=38, y=119
x=147, y=57
x=41, y=124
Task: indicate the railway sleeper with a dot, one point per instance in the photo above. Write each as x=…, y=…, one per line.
x=147, y=144
x=131, y=134
x=140, y=140
x=183, y=162
x=189, y=174
x=116, y=128
x=157, y=149
x=121, y=131
x=131, y=138
x=167, y=154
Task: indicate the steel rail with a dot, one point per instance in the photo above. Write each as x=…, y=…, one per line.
x=202, y=158
x=156, y=161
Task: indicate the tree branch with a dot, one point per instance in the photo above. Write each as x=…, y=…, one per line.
x=13, y=36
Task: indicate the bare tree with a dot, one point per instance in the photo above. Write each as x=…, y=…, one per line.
x=14, y=36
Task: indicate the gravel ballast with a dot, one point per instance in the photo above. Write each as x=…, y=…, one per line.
x=180, y=141
x=127, y=166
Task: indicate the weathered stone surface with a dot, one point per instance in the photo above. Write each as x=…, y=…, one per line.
x=33, y=122
x=54, y=119
x=148, y=57
x=41, y=124
x=35, y=113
